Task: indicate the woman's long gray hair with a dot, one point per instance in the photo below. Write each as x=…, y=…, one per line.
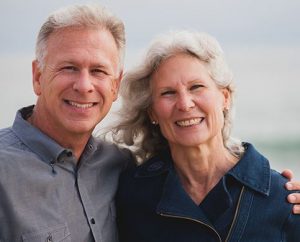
x=135, y=128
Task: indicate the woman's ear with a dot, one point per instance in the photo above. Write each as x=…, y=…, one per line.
x=227, y=98
x=152, y=116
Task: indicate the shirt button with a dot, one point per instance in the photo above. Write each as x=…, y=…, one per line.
x=69, y=153
x=93, y=221
x=49, y=238
x=90, y=146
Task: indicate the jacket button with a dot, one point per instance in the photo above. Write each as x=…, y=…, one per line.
x=155, y=166
x=93, y=221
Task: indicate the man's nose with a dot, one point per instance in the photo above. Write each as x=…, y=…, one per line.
x=83, y=83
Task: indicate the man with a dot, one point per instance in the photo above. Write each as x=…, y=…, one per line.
x=57, y=182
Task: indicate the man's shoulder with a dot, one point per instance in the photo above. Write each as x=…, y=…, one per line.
x=11, y=146
x=9, y=151
x=111, y=149
x=7, y=138
x=109, y=152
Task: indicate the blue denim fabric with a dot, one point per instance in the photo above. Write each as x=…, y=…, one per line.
x=152, y=205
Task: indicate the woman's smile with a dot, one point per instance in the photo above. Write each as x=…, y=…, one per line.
x=189, y=122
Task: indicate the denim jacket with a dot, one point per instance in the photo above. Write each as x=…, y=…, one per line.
x=152, y=205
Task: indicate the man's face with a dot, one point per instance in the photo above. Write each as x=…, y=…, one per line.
x=78, y=83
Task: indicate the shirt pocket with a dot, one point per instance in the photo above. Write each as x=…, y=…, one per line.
x=59, y=233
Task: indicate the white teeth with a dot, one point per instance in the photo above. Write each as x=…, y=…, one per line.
x=189, y=122
x=79, y=105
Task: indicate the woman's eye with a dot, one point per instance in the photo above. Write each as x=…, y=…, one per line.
x=165, y=93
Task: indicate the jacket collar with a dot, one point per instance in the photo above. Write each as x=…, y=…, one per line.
x=253, y=170
x=174, y=200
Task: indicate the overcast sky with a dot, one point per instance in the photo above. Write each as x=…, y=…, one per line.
x=245, y=23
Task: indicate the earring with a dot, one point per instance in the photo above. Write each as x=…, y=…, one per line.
x=225, y=111
x=154, y=122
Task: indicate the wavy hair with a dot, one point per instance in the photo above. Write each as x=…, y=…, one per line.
x=135, y=128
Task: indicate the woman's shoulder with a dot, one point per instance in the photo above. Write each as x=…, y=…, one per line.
x=144, y=175
x=277, y=184
x=254, y=170
x=148, y=168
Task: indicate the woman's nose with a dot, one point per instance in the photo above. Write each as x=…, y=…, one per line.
x=185, y=102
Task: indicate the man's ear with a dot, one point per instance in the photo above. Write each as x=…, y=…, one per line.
x=36, y=77
x=116, y=85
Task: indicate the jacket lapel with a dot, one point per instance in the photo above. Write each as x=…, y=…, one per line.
x=175, y=202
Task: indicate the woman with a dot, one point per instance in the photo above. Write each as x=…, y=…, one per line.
x=195, y=183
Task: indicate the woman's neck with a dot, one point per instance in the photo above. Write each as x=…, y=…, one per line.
x=200, y=168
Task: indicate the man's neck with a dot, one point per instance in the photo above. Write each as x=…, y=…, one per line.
x=74, y=142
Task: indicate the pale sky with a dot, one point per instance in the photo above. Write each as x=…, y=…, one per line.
x=232, y=22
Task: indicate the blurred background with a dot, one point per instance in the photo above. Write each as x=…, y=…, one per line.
x=261, y=40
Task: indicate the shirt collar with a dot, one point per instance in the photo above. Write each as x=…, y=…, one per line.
x=41, y=144
x=91, y=147
x=253, y=170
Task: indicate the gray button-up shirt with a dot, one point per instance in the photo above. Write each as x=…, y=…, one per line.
x=44, y=196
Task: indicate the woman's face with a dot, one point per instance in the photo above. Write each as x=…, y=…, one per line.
x=187, y=104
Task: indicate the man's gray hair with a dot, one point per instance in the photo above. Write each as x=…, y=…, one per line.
x=89, y=16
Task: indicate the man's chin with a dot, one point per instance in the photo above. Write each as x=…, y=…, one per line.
x=80, y=127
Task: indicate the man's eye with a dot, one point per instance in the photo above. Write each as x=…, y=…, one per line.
x=196, y=86
x=69, y=68
x=98, y=71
